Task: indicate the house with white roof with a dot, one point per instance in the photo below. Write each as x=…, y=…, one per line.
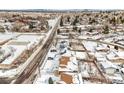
x=108, y=67
x=116, y=56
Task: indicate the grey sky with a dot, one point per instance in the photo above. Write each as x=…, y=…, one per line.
x=61, y=4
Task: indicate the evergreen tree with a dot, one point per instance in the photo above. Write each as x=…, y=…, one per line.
x=106, y=29
x=116, y=47
x=113, y=21
x=76, y=20
x=79, y=30
x=61, y=22
x=74, y=28
x=50, y=81
x=58, y=31
x=31, y=26
x=91, y=30
x=68, y=18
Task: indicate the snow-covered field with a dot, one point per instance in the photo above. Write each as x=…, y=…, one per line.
x=5, y=37
x=19, y=44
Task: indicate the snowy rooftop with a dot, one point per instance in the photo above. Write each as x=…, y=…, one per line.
x=115, y=55
x=115, y=77
x=108, y=64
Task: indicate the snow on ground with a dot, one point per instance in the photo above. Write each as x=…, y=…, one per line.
x=84, y=70
x=51, y=60
x=44, y=79
x=68, y=53
x=4, y=37
x=85, y=73
x=87, y=82
x=32, y=40
x=50, y=22
x=49, y=66
x=8, y=73
x=19, y=48
x=76, y=79
x=16, y=53
x=83, y=37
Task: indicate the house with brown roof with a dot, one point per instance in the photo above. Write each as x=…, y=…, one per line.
x=68, y=79
x=64, y=60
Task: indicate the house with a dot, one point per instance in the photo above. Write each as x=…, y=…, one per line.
x=102, y=48
x=109, y=68
x=68, y=79
x=71, y=78
x=64, y=60
x=68, y=64
x=81, y=55
x=116, y=56
x=63, y=64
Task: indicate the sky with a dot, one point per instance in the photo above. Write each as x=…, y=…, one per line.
x=61, y=4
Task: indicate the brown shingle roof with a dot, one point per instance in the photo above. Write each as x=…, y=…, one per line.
x=66, y=78
x=64, y=60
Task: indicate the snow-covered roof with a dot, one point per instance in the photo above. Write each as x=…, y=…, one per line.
x=72, y=66
x=116, y=55
x=121, y=54
x=49, y=65
x=102, y=47
x=108, y=64
x=64, y=69
x=76, y=79
x=122, y=69
x=52, y=55
x=115, y=77
x=80, y=55
x=90, y=45
x=69, y=63
x=74, y=60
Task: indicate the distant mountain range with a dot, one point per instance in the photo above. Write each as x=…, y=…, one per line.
x=57, y=10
